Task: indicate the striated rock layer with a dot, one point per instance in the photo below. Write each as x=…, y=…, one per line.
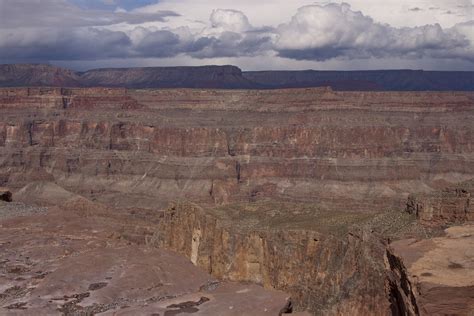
x=144, y=148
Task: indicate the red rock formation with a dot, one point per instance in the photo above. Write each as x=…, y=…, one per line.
x=342, y=149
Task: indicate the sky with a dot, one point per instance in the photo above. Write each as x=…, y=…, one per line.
x=254, y=35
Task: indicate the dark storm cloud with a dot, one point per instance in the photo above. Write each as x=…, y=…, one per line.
x=59, y=13
x=230, y=44
x=160, y=44
x=65, y=44
x=227, y=44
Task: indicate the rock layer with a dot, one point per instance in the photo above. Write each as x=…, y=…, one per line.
x=345, y=150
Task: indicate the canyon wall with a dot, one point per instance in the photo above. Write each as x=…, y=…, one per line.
x=330, y=264
x=344, y=150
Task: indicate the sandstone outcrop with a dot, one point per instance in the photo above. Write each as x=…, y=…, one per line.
x=453, y=205
x=344, y=150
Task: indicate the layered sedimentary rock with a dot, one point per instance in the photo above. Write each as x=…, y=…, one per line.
x=344, y=150
x=453, y=205
x=330, y=263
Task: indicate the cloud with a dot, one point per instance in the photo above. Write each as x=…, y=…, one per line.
x=63, y=44
x=58, y=30
x=230, y=34
x=415, y=9
x=335, y=31
x=230, y=20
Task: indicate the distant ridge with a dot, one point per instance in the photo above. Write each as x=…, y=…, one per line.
x=383, y=80
x=21, y=75
x=231, y=77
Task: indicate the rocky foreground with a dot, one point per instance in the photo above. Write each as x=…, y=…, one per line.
x=85, y=259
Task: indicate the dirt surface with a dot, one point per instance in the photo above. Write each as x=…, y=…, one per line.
x=17, y=209
x=85, y=259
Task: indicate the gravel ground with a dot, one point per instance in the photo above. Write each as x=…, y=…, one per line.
x=16, y=209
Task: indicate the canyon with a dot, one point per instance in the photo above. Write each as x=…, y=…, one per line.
x=305, y=200
x=147, y=148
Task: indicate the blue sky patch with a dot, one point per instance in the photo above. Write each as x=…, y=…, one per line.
x=112, y=4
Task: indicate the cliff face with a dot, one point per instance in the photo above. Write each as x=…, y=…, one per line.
x=345, y=150
x=330, y=264
x=453, y=205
